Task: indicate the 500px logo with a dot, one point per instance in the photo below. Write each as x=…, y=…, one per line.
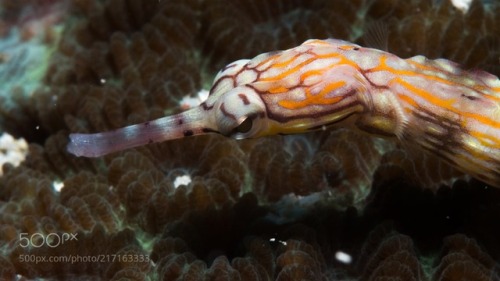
x=52, y=240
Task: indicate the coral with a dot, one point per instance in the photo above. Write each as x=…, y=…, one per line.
x=463, y=258
x=389, y=256
x=121, y=62
x=84, y=207
x=416, y=167
x=176, y=261
x=152, y=198
x=128, y=71
x=291, y=260
x=7, y=270
x=243, y=29
x=438, y=29
x=466, y=38
x=300, y=261
x=338, y=161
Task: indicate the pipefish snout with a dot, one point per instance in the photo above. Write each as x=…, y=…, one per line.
x=434, y=104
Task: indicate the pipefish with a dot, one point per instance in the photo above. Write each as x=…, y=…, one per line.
x=433, y=104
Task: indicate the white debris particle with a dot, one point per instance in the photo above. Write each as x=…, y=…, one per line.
x=462, y=5
x=57, y=185
x=203, y=95
x=343, y=257
x=12, y=150
x=276, y=240
x=189, y=102
x=182, y=180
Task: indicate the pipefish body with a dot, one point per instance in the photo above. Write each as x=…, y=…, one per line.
x=434, y=104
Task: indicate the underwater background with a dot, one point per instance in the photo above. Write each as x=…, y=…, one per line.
x=329, y=205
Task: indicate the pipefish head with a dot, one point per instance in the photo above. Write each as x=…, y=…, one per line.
x=291, y=91
x=230, y=110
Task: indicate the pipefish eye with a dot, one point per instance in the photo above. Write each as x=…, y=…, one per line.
x=245, y=126
x=251, y=127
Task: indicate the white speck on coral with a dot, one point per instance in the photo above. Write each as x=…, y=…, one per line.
x=276, y=240
x=102, y=80
x=12, y=150
x=182, y=180
x=462, y=5
x=57, y=185
x=190, y=102
x=37, y=127
x=343, y=257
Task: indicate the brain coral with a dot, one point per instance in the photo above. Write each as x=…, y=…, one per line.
x=121, y=62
